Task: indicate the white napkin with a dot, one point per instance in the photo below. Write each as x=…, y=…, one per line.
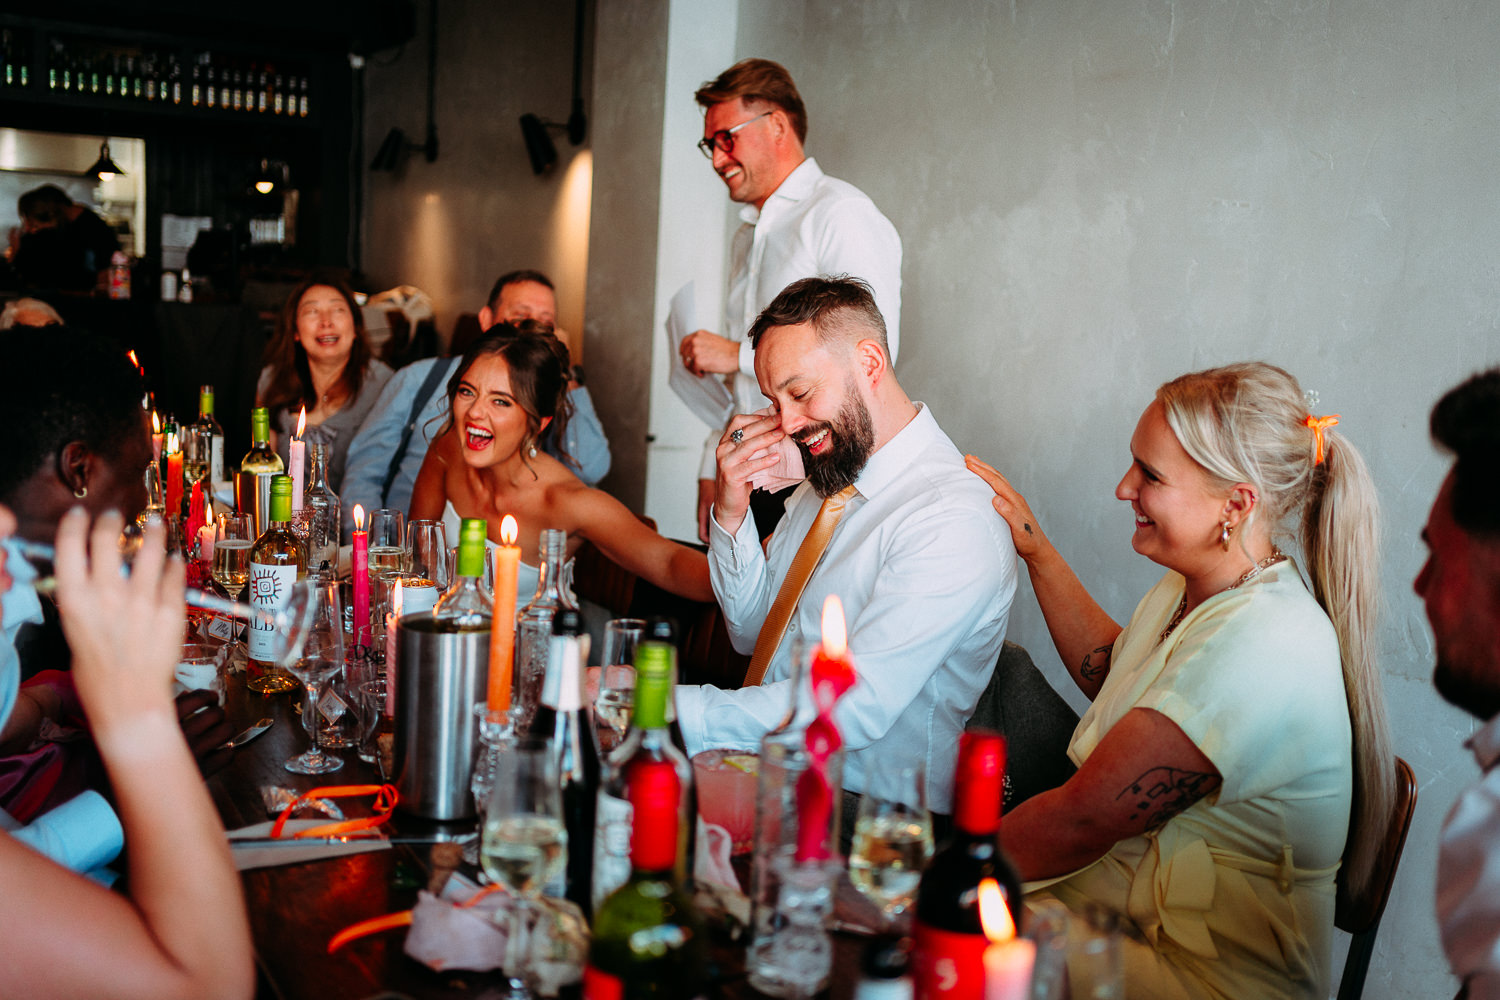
x=82, y=834
x=246, y=858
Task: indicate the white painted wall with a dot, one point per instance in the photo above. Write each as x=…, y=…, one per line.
x=1095, y=197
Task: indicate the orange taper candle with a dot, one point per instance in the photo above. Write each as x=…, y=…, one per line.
x=503, y=625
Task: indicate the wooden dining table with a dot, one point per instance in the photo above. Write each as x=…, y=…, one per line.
x=296, y=909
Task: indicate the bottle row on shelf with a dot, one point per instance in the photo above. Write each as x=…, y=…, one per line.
x=211, y=82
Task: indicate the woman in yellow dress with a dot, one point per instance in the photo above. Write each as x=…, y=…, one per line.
x=1237, y=732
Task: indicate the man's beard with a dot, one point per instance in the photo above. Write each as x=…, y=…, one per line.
x=1476, y=694
x=851, y=439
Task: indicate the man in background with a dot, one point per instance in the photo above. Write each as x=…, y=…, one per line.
x=387, y=451
x=62, y=244
x=797, y=223
x=1460, y=586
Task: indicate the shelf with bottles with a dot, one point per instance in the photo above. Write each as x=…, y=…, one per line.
x=104, y=73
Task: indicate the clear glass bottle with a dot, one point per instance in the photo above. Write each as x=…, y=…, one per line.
x=260, y=457
x=784, y=759
x=205, y=441
x=464, y=607
x=320, y=506
x=277, y=561
x=563, y=722
x=534, y=626
x=649, y=738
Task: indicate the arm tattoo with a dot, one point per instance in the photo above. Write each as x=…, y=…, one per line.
x=1027, y=526
x=1163, y=792
x=1095, y=664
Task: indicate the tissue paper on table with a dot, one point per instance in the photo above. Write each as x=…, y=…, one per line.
x=445, y=935
x=788, y=469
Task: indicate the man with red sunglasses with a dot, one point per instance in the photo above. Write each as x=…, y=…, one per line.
x=798, y=223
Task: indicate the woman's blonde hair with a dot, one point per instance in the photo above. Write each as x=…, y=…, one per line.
x=1248, y=423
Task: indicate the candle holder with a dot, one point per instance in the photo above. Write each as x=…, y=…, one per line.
x=792, y=956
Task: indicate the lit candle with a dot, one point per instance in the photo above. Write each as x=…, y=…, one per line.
x=1008, y=960
x=832, y=675
x=174, y=476
x=298, y=455
x=392, y=617
x=206, y=544
x=361, y=579
x=156, y=438
x=503, y=626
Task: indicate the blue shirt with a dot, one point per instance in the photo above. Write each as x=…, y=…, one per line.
x=378, y=437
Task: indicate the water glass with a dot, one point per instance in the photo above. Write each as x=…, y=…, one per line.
x=199, y=669
x=387, y=541
x=427, y=552
x=370, y=700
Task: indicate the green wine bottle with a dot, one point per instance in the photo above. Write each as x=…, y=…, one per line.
x=648, y=940
x=277, y=561
x=465, y=607
x=260, y=457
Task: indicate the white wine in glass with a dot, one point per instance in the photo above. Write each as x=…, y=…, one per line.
x=892, y=841
x=231, y=565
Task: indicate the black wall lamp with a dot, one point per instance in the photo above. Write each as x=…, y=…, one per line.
x=534, y=130
x=104, y=168
x=395, y=146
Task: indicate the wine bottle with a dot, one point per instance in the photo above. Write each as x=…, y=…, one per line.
x=277, y=561
x=648, y=940
x=464, y=607
x=949, y=942
x=563, y=722
x=323, y=531
x=260, y=457
x=647, y=739
x=207, y=437
x=534, y=625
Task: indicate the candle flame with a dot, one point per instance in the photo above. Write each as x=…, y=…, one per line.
x=136, y=361
x=835, y=636
x=301, y=423
x=508, y=530
x=359, y=517
x=396, y=599
x=171, y=442
x=155, y=423
x=994, y=915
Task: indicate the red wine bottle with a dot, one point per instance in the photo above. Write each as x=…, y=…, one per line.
x=949, y=942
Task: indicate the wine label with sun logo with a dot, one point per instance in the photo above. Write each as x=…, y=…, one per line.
x=269, y=586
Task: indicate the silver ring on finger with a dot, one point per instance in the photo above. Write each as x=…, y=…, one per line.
x=737, y=435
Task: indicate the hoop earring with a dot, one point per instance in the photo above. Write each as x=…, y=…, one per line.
x=81, y=492
x=1224, y=536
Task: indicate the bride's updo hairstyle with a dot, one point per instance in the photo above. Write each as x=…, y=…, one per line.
x=1249, y=423
x=539, y=369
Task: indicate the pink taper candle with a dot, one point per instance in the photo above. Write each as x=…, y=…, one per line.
x=297, y=454
x=503, y=624
x=361, y=579
x=1008, y=960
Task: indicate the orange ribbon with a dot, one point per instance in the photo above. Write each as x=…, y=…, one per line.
x=384, y=805
x=1319, y=425
x=390, y=921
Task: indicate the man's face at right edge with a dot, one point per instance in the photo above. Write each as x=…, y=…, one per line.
x=1460, y=589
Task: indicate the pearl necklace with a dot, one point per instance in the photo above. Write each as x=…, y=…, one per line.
x=1275, y=557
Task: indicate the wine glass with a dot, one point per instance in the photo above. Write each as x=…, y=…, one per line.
x=616, y=682
x=892, y=841
x=309, y=644
x=156, y=502
x=387, y=542
x=524, y=844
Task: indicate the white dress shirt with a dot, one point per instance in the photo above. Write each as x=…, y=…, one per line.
x=811, y=225
x=1468, y=876
x=926, y=571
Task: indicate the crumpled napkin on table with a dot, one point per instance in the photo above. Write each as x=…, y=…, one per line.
x=445, y=936
x=788, y=469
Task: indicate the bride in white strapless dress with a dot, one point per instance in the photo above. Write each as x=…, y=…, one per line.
x=485, y=464
x=527, y=575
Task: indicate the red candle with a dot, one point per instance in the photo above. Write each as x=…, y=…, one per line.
x=503, y=624
x=361, y=579
x=174, y=476
x=832, y=675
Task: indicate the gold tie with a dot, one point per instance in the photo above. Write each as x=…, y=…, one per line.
x=809, y=554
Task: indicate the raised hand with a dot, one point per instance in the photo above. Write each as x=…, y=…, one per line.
x=738, y=460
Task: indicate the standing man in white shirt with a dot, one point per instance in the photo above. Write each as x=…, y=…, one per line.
x=924, y=569
x=797, y=223
x=1460, y=586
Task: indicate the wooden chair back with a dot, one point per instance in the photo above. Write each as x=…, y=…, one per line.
x=1359, y=913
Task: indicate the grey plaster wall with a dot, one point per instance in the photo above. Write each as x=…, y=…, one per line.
x=453, y=226
x=1094, y=197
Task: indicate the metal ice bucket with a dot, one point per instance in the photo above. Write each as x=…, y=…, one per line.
x=441, y=676
x=252, y=495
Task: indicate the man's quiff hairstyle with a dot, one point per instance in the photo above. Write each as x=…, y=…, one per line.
x=761, y=80
x=838, y=307
x=515, y=278
x=1466, y=421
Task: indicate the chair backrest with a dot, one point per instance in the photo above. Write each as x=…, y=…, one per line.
x=1036, y=722
x=1359, y=913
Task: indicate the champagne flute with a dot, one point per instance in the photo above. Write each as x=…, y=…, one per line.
x=309, y=644
x=155, y=498
x=616, y=681
x=892, y=841
x=525, y=844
